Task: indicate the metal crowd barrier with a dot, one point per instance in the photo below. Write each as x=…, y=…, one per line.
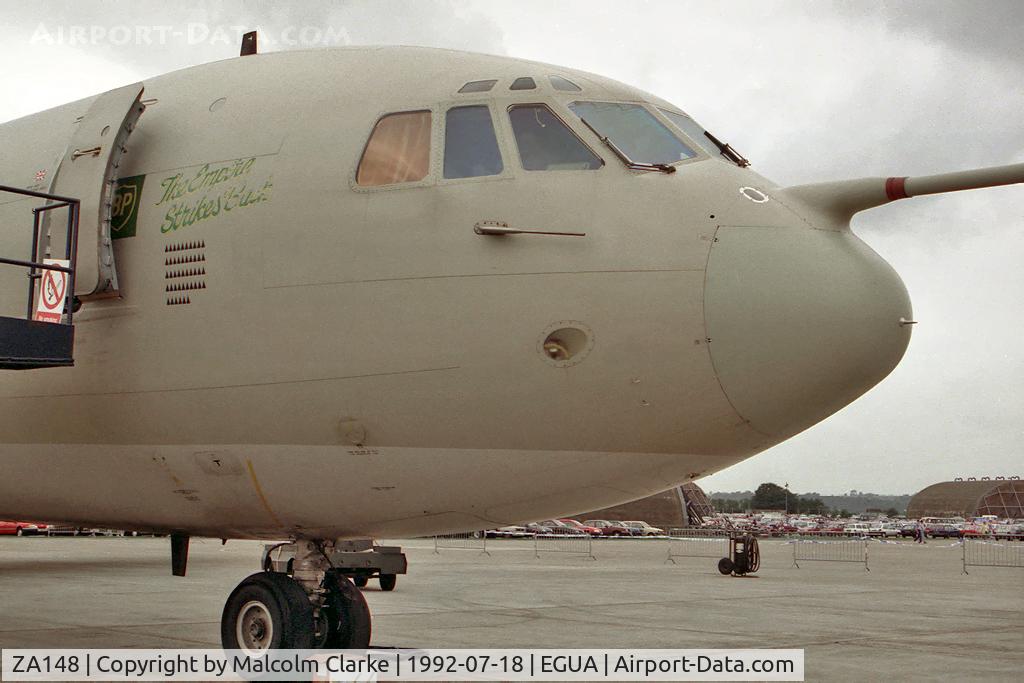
x=466, y=540
x=829, y=546
x=697, y=543
x=575, y=544
x=992, y=552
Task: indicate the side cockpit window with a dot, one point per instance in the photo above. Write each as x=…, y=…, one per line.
x=470, y=146
x=546, y=143
x=633, y=130
x=693, y=130
x=398, y=150
x=712, y=145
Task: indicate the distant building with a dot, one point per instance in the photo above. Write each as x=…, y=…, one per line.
x=971, y=498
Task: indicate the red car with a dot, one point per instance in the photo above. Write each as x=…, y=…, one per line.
x=608, y=528
x=592, y=530
x=21, y=528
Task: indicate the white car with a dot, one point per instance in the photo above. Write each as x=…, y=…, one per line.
x=861, y=529
x=890, y=529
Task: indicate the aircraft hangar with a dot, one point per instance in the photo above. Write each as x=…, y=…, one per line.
x=1002, y=497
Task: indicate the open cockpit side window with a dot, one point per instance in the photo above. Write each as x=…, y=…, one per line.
x=470, y=146
x=398, y=150
x=546, y=144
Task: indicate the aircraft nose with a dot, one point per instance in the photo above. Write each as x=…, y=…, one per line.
x=801, y=322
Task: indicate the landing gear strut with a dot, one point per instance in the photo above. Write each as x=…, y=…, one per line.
x=311, y=605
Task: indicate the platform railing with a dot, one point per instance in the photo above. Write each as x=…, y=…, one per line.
x=34, y=265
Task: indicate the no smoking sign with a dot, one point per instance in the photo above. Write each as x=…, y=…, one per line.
x=52, y=290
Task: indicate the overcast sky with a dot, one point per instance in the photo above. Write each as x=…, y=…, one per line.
x=808, y=91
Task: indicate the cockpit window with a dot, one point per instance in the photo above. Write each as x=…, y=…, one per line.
x=633, y=130
x=559, y=83
x=470, y=147
x=398, y=150
x=547, y=144
x=696, y=132
x=524, y=83
x=693, y=130
x=478, y=86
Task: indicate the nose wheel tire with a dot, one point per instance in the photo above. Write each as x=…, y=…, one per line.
x=347, y=614
x=268, y=610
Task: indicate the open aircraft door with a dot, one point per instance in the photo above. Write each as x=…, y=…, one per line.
x=88, y=172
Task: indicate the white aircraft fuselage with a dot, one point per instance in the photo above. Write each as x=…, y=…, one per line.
x=292, y=354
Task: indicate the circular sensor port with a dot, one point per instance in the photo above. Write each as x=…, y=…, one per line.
x=753, y=194
x=567, y=344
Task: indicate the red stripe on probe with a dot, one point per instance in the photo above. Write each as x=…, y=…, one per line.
x=896, y=188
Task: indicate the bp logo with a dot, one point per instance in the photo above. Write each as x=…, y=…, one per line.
x=124, y=210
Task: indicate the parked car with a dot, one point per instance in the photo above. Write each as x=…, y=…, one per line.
x=508, y=532
x=592, y=530
x=944, y=531
x=908, y=528
x=537, y=528
x=21, y=528
x=645, y=528
x=608, y=528
x=889, y=530
x=631, y=530
x=57, y=529
x=561, y=528
x=1008, y=531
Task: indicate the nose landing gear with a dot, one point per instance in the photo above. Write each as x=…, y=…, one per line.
x=268, y=610
x=310, y=605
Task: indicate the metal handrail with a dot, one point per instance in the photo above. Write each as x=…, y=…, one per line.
x=71, y=246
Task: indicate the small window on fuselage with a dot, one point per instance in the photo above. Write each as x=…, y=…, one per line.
x=547, y=144
x=560, y=83
x=470, y=147
x=398, y=150
x=478, y=86
x=524, y=83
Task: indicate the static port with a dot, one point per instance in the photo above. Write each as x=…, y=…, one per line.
x=566, y=345
x=556, y=349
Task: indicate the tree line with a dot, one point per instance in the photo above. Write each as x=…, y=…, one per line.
x=771, y=496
